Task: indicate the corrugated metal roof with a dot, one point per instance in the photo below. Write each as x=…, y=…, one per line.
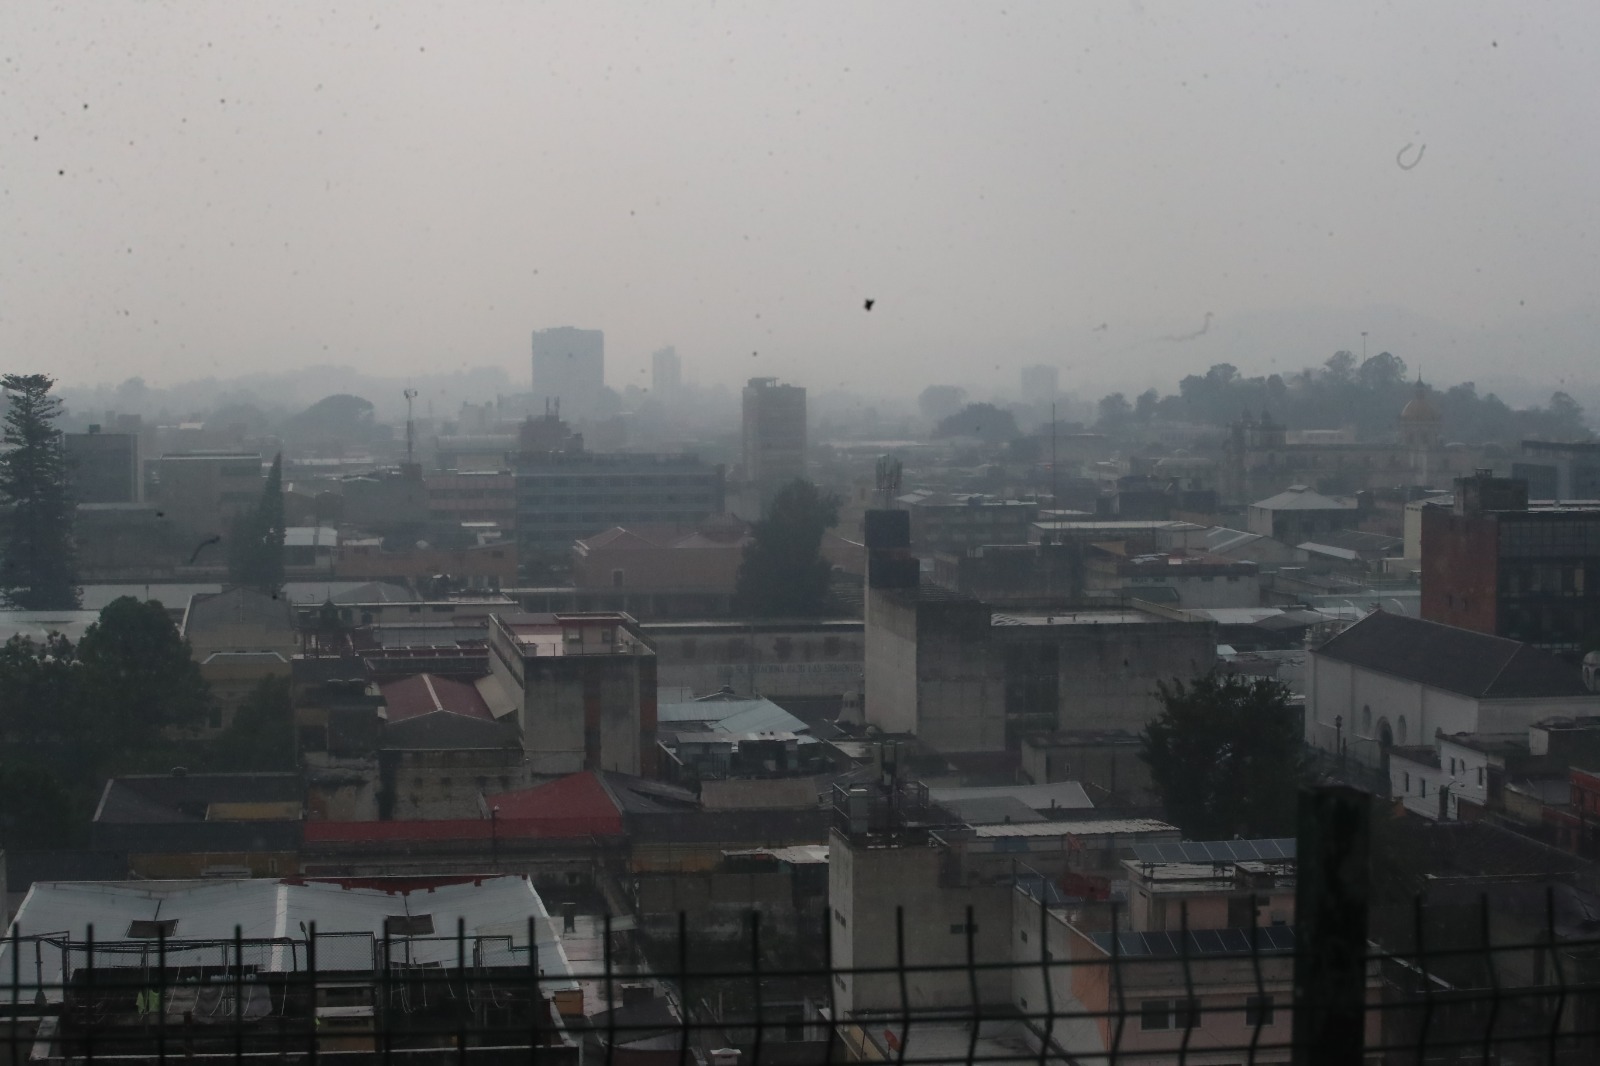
x=732, y=716
x=211, y=911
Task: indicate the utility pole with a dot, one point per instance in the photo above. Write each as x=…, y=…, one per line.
x=1054, y=484
x=410, y=429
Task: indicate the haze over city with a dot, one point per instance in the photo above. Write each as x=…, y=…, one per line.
x=1130, y=193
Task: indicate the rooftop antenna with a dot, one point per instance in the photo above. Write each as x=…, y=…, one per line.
x=411, y=428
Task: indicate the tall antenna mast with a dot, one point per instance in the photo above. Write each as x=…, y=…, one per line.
x=411, y=429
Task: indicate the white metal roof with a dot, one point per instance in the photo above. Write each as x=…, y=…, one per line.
x=1060, y=794
x=283, y=911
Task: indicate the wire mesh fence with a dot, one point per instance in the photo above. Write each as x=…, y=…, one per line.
x=1057, y=990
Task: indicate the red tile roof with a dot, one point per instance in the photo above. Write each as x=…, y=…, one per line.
x=422, y=694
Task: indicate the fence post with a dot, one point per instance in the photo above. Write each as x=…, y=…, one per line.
x=1331, y=890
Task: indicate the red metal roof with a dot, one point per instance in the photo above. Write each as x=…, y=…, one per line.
x=580, y=796
x=428, y=693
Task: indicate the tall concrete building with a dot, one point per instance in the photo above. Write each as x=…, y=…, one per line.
x=104, y=467
x=666, y=371
x=1040, y=384
x=581, y=688
x=569, y=366
x=774, y=440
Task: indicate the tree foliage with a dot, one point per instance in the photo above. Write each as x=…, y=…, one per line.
x=138, y=676
x=1348, y=391
x=261, y=736
x=784, y=573
x=255, y=541
x=38, y=566
x=1225, y=753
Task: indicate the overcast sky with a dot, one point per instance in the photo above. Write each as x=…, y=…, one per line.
x=216, y=189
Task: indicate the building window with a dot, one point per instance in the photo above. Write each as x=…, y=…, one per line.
x=1422, y=787
x=1408, y=782
x=146, y=929
x=408, y=925
x=616, y=579
x=1480, y=777
x=962, y=929
x=1366, y=720
x=1258, y=1011
x=1169, y=1014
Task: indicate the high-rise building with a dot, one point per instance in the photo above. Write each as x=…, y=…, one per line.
x=1040, y=384
x=774, y=439
x=666, y=371
x=103, y=467
x=569, y=367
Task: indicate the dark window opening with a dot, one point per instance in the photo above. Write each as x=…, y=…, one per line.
x=408, y=925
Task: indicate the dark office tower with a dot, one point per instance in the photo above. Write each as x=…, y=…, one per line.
x=569, y=366
x=1496, y=563
x=666, y=372
x=774, y=440
x=1040, y=384
x=104, y=467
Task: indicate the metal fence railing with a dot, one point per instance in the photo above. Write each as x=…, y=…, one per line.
x=1509, y=980
x=1064, y=995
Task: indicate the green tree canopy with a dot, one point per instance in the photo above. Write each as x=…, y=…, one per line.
x=255, y=540
x=784, y=572
x=38, y=566
x=261, y=735
x=1225, y=753
x=138, y=675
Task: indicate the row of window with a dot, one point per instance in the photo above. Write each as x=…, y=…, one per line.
x=1157, y=1014
x=739, y=648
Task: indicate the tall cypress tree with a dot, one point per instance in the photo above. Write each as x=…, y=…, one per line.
x=255, y=543
x=38, y=562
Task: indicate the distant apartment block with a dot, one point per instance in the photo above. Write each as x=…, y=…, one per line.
x=564, y=496
x=569, y=367
x=955, y=522
x=1040, y=384
x=1559, y=471
x=1495, y=563
x=201, y=492
x=486, y=497
x=103, y=467
x=666, y=371
x=774, y=447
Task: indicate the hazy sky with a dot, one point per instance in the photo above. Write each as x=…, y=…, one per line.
x=199, y=189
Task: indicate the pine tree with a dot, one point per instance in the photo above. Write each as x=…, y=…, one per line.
x=784, y=573
x=38, y=564
x=255, y=542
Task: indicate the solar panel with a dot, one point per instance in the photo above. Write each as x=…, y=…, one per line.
x=1202, y=942
x=1272, y=850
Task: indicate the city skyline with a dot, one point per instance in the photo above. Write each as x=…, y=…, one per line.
x=1113, y=191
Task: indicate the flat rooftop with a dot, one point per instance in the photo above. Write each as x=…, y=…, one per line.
x=1088, y=827
x=1108, y=617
